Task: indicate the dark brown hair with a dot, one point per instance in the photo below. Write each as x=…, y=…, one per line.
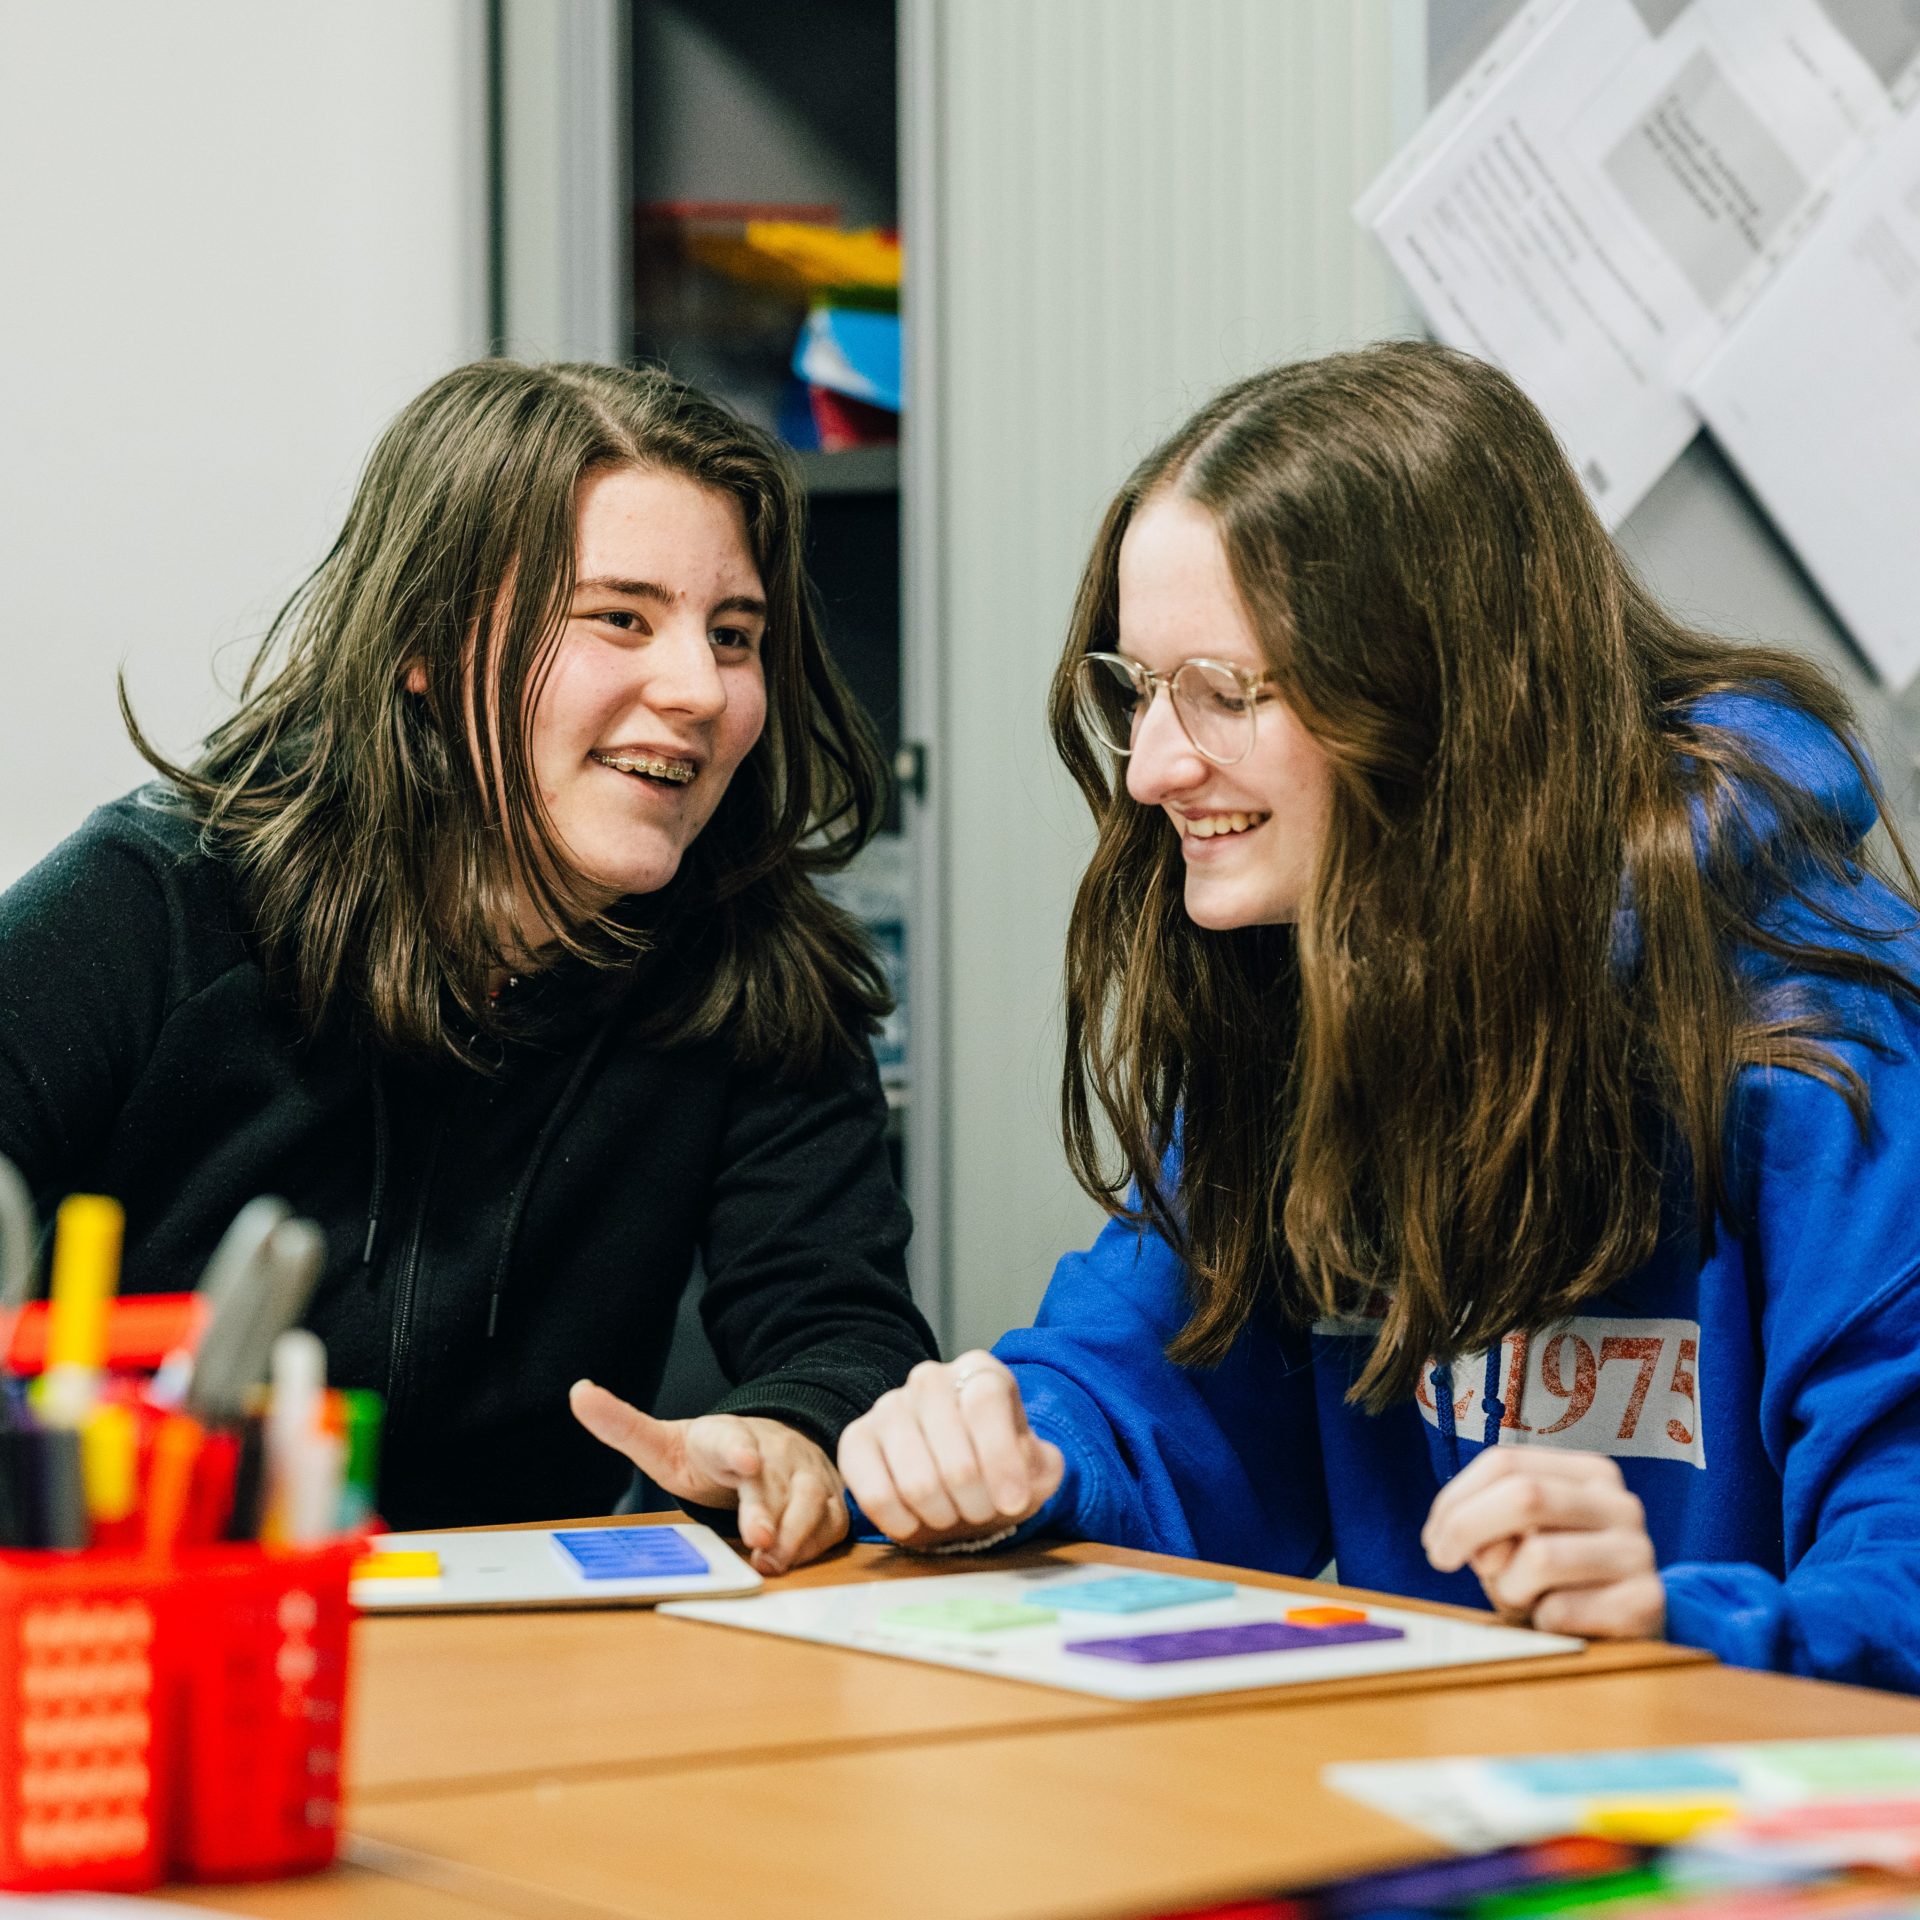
x=1508, y=1018
x=380, y=856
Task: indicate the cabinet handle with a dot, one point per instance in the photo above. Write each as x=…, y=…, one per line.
x=910, y=768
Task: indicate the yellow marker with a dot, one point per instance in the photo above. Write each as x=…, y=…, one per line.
x=86, y=1270
x=1653, y=1823
x=109, y=1458
x=398, y=1566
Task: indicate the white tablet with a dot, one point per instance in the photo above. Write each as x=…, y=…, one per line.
x=631, y=1565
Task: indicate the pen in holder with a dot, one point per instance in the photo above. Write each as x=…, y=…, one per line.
x=173, y=1696
x=180, y=1717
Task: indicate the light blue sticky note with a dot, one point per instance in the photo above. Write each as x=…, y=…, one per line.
x=1129, y=1593
x=1650, y=1770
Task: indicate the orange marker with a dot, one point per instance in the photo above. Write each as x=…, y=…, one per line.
x=176, y=1453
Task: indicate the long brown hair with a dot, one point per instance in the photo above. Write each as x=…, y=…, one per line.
x=1508, y=1019
x=379, y=856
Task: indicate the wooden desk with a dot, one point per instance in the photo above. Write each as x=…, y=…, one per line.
x=581, y=1765
x=447, y=1701
x=346, y=1893
x=1045, y=1823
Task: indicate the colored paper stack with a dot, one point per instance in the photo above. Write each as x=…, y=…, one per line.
x=848, y=353
x=722, y=288
x=1812, y=1865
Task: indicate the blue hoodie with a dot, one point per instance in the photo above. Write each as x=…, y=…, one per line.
x=1763, y=1401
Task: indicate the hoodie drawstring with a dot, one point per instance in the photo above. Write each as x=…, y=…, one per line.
x=382, y=1153
x=516, y=1209
x=1496, y=1404
x=523, y=1189
x=1494, y=1409
x=1443, y=1404
x=1492, y=1400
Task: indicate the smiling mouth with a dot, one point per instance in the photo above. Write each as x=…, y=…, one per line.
x=1212, y=826
x=646, y=766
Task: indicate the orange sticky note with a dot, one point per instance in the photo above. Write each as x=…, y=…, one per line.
x=1326, y=1616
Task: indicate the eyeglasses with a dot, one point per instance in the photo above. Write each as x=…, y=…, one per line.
x=1214, y=701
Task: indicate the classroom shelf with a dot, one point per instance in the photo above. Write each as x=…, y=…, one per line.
x=757, y=102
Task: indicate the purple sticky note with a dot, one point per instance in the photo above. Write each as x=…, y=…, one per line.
x=1215, y=1643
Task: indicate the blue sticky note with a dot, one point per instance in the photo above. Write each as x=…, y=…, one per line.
x=1655, y=1770
x=1128, y=1593
x=630, y=1553
x=852, y=351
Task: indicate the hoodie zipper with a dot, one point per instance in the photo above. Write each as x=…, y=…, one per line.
x=406, y=1291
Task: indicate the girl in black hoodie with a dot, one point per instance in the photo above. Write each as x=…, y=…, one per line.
x=485, y=933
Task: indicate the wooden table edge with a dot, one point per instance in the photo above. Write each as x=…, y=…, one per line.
x=440, y=1873
x=855, y=1561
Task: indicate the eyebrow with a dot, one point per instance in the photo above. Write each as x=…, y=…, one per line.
x=651, y=590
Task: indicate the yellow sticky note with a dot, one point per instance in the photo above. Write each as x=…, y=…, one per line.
x=398, y=1566
x=1654, y=1823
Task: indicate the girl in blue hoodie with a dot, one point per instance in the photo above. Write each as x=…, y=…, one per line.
x=1496, y=1048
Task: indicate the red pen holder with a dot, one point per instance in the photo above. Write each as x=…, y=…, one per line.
x=182, y=1718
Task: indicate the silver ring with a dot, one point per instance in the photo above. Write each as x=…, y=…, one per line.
x=972, y=1373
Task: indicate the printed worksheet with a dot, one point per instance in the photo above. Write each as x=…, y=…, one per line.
x=1124, y=1634
x=1604, y=193
x=1816, y=399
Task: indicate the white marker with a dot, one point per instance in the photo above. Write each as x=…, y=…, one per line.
x=299, y=1379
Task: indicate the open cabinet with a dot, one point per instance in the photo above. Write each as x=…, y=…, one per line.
x=638, y=141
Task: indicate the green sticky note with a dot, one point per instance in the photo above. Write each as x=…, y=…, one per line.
x=1840, y=1766
x=964, y=1615
x=1572, y=1896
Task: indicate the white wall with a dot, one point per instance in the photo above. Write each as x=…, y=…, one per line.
x=236, y=236
x=1703, y=545
x=1114, y=207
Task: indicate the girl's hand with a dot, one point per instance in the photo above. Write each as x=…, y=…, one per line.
x=949, y=1456
x=1557, y=1540
x=785, y=1487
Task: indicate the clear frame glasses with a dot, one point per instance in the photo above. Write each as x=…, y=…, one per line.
x=1215, y=702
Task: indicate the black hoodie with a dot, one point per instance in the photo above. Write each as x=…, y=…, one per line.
x=491, y=1237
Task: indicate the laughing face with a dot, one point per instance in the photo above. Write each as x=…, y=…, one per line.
x=1250, y=834
x=655, y=694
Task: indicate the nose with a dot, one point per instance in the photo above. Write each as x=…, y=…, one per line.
x=1163, y=764
x=681, y=675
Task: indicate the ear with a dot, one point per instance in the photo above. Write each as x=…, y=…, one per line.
x=416, y=681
